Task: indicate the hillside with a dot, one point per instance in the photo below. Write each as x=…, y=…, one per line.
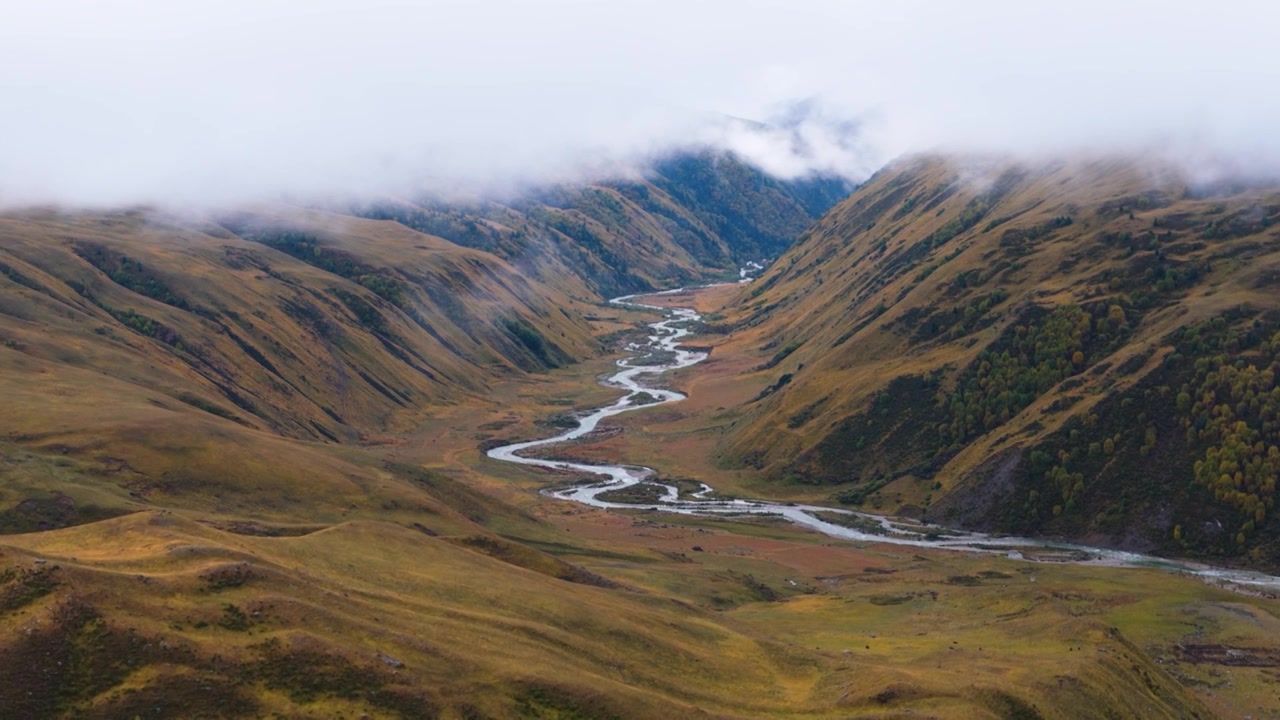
x=1083, y=349
x=210, y=421
x=157, y=615
x=690, y=214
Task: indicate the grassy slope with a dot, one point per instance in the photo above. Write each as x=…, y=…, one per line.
x=263, y=375
x=932, y=263
x=277, y=342
x=155, y=610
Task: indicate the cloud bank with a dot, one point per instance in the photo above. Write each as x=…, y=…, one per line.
x=200, y=101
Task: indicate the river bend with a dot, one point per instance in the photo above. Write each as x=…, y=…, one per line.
x=665, y=340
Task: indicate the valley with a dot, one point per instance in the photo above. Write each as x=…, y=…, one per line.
x=641, y=487
x=257, y=465
x=550, y=360
x=803, y=558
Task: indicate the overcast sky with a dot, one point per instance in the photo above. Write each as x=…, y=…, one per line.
x=121, y=101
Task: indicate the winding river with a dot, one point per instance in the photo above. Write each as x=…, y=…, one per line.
x=664, y=342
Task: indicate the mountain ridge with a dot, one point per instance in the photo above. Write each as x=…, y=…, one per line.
x=688, y=213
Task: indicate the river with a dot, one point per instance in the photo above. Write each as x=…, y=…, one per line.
x=664, y=341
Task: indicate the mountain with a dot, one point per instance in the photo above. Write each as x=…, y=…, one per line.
x=169, y=337
x=691, y=213
x=243, y=474
x=239, y=414
x=1083, y=349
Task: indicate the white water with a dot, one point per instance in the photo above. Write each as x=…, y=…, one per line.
x=665, y=339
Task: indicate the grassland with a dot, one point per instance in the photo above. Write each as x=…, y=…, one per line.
x=184, y=538
x=625, y=618
x=225, y=438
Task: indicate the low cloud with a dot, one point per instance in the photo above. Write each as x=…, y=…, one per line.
x=199, y=102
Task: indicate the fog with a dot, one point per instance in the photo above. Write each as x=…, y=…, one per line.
x=193, y=102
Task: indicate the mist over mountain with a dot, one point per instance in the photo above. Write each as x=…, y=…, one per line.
x=126, y=102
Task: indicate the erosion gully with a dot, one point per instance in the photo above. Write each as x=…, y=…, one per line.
x=665, y=339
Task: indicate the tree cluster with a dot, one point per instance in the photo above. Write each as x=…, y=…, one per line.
x=1025, y=364
x=1232, y=408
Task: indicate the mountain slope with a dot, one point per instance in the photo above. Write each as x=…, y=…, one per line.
x=308, y=332
x=155, y=614
x=691, y=214
x=1084, y=349
x=365, y=619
